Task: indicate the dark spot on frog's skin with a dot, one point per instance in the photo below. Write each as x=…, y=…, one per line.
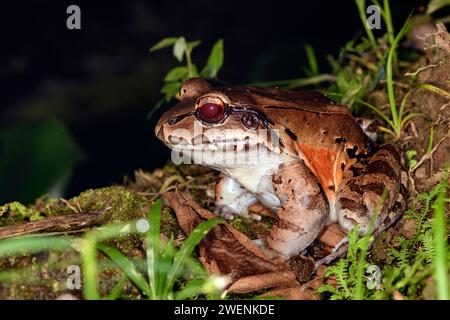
x=340, y=140
x=324, y=131
x=354, y=187
x=352, y=152
x=221, y=198
x=290, y=134
x=342, y=166
x=352, y=205
x=369, y=147
x=331, y=187
x=289, y=180
x=381, y=167
x=278, y=180
x=378, y=188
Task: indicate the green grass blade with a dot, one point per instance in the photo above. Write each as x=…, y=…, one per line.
x=33, y=244
x=90, y=268
x=154, y=219
x=440, y=242
x=361, y=5
x=312, y=60
x=411, y=115
x=193, y=288
x=126, y=266
x=188, y=247
x=117, y=290
x=389, y=79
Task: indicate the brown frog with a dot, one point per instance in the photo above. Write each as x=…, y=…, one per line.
x=295, y=152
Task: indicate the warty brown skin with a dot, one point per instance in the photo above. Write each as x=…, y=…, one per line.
x=322, y=145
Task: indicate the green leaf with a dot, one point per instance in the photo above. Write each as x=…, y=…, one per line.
x=36, y=159
x=170, y=89
x=389, y=80
x=177, y=73
x=411, y=155
x=440, y=242
x=117, y=289
x=188, y=247
x=192, y=289
x=215, y=60
x=166, y=42
x=435, y=5
x=312, y=60
x=153, y=263
x=192, y=44
x=126, y=266
x=179, y=48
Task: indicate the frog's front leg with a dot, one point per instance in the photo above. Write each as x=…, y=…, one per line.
x=360, y=194
x=303, y=212
x=232, y=198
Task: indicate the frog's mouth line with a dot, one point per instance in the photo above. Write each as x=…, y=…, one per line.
x=202, y=143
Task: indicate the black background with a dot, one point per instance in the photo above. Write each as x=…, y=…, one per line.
x=40, y=56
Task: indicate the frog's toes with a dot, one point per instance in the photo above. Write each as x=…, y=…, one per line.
x=226, y=212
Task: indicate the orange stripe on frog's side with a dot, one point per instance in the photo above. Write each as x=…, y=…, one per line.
x=322, y=162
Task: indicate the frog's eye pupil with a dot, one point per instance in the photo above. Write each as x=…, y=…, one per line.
x=211, y=112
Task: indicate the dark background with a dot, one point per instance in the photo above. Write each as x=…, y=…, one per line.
x=101, y=81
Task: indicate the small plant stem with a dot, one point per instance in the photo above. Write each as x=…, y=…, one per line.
x=89, y=258
x=189, y=62
x=389, y=26
x=440, y=242
x=431, y=139
x=389, y=80
x=361, y=4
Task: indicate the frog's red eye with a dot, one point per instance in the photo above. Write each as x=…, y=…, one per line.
x=211, y=110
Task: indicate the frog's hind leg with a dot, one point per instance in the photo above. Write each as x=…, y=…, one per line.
x=232, y=198
x=372, y=186
x=303, y=212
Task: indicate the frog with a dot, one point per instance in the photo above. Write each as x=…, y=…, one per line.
x=298, y=153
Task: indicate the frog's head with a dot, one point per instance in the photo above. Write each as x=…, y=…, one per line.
x=222, y=119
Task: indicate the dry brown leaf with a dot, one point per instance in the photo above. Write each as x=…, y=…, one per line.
x=263, y=281
x=224, y=250
x=261, y=210
x=331, y=235
x=296, y=292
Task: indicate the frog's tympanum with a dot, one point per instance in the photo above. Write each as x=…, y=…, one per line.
x=296, y=152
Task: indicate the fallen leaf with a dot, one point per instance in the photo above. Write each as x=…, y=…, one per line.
x=263, y=281
x=296, y=292
x=224, y=250
x=331, y=235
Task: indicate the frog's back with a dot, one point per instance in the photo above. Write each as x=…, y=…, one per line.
x=263, y=98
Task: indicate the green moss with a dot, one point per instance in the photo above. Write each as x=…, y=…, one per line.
x=15, y=212
x=169, y=223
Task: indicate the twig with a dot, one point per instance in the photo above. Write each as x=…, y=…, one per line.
x=65, y=221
